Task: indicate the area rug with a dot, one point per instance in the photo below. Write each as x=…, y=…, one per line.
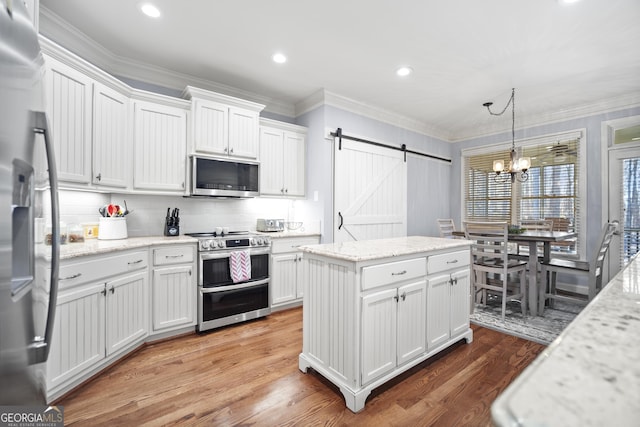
x=541, y=329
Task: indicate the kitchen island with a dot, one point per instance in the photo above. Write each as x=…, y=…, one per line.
x=590, y=374
x=374, y=309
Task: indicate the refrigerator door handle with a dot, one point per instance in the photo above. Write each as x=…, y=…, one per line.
x=39, y=348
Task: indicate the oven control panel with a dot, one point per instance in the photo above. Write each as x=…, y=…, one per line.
x=242, y=243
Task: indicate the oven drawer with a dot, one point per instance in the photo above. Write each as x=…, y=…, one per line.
x=174, y=255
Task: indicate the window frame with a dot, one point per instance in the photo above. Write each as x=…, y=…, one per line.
x=581, y=187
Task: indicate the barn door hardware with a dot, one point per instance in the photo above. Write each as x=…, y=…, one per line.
x=338, y=134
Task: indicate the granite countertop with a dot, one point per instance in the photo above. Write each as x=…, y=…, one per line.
x=590, y=375
x=96, y=246
x=384, y=248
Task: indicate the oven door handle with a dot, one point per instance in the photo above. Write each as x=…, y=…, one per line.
x=233, y=287
x=226, y=253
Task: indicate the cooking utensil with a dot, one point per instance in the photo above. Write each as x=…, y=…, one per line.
x=103, y=211
x=126, y=208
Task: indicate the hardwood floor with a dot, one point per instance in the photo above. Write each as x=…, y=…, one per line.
x=248, y=375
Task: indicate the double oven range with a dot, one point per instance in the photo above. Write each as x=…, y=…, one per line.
x=221, y=301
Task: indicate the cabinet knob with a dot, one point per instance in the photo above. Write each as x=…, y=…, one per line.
x=112, y=290
x=404, y=296
x=226, y=149
x=231, y=151
x=395, y=297
x=99, y=177
x=103, y=292
x=286, y=190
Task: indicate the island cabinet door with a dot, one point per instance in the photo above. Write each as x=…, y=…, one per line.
x=379, y=329
x=412, y=313
x=460, y=300
x=438, y=310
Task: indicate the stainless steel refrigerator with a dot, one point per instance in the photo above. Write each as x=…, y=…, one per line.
x=28, y=190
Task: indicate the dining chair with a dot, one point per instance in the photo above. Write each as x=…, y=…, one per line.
x=491, y=267
x=592, y=269
x=447, y=227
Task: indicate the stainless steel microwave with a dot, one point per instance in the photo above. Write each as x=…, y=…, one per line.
x=222, y=177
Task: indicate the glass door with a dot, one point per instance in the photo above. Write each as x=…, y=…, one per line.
x=624, y=205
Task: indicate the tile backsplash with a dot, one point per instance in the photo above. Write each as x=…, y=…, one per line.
x=196, y=214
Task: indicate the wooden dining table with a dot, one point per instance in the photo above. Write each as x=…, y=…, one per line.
x=532, y=238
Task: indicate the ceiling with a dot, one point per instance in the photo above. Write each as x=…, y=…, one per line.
x=565, y=60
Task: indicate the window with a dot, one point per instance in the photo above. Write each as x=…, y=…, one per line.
x=551, y=191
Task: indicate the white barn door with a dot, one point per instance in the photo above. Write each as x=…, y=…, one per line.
x=370, y=192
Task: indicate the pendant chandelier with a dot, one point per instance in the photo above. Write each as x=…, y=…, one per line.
x=518, y=166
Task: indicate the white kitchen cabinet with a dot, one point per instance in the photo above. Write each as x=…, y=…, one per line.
x=173, y=288
x=126, y=310
x=393, y=328
x=366, y=316
x=69, y=104
x=78, y=341
x=101, y=314
x=287, y=287
x=160, y=140
x=448, y=296
x=282, y=159
x=112, y=148
x=222, y=125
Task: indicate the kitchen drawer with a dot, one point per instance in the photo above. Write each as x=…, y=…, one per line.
x=100, y=267
x=173, y=255
x=392, y=272
x=291, y=244
x=448, y=261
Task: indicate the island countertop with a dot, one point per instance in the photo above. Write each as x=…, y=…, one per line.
x=366, y=250
x=590, y=375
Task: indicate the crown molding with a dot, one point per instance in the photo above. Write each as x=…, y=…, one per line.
x=324, y=97
x=63, y=33
x=626, y=101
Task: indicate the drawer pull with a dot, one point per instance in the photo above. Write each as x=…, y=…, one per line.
x=452, y=261
x=174, y=256
x=399, y=273
x=71, y=277
x=135, y=262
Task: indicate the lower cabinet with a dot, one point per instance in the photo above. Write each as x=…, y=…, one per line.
x=393, y=328
x=367, y=320
x=173, y=289
x=101, y=313
x=287, y=287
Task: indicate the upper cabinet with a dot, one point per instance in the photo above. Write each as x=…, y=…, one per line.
x=282, y=158
x=160, y=146
x=90, y=126
x=69, y=106
x=112, y=151
x=223, y=125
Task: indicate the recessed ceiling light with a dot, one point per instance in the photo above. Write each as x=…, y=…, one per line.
x=404, y=71
x=279, y=58
x=150, y=10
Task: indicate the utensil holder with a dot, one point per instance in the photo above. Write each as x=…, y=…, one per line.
x=112, y=228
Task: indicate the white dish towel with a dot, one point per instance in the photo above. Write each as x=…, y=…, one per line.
x=240, y=266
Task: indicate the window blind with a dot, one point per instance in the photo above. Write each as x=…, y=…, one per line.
x=630, y=200
x=551, y=191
